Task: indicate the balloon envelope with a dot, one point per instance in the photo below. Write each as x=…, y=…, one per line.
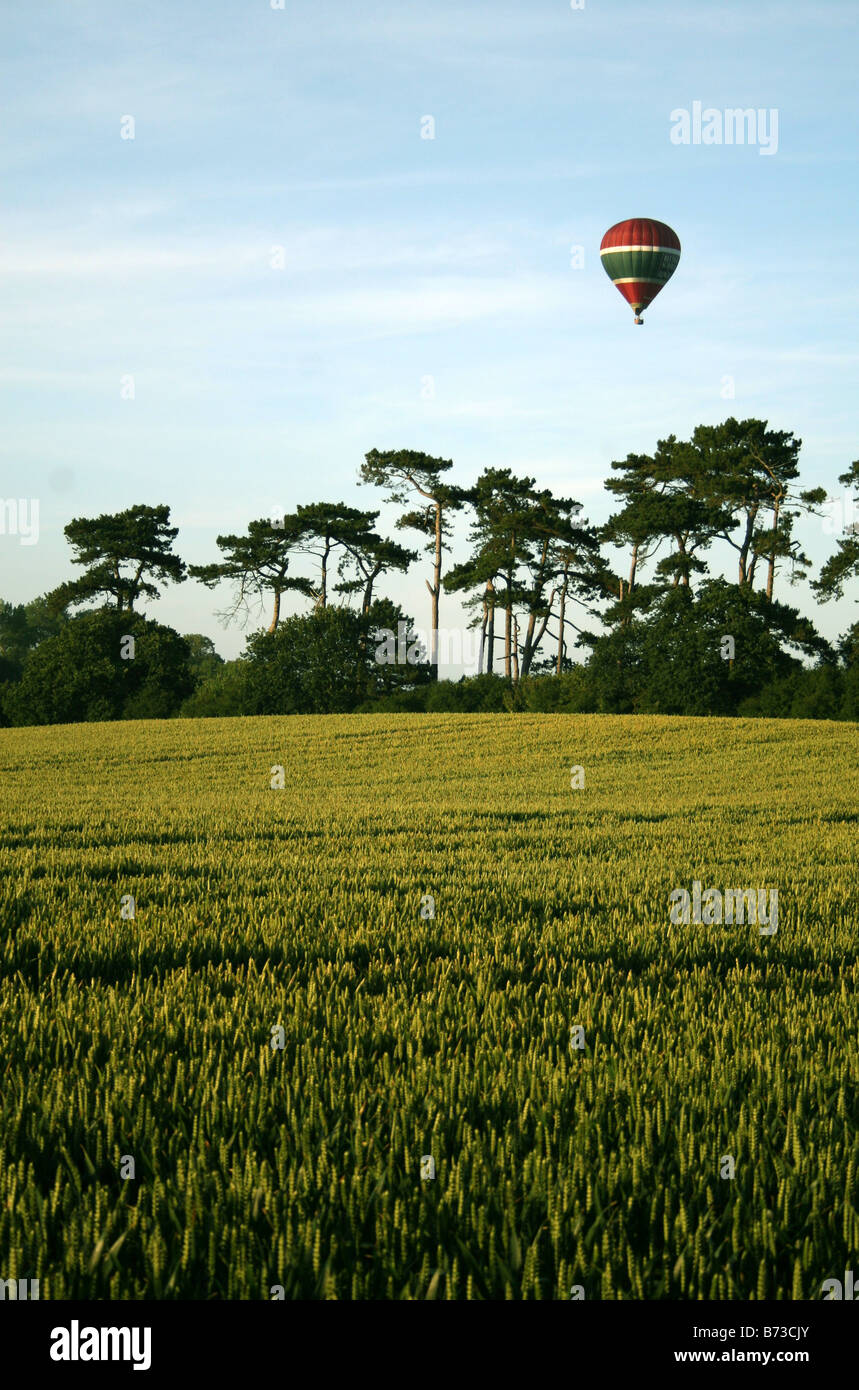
x=640, y=256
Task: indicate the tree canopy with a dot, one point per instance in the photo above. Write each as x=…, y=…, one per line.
x=123, y=553
x=664, y=628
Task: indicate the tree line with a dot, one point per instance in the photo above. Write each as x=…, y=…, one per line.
x=671, y=636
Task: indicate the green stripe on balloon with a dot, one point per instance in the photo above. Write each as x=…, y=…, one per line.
x=652, y=265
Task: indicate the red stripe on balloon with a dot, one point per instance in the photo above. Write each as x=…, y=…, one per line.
x=639, y=291
x=640, y=231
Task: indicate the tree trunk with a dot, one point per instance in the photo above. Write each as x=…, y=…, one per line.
x=483, y=635
x=683, y=576
x=530, y=645
x=508, y=630
x=490, y=632
x=633, y=566
x=560, y=661
x=516, y=650
x=435, y=590
x=745, y=576
x=368, y=589
x=771, y=568
x=275, y=617
x=323, y=594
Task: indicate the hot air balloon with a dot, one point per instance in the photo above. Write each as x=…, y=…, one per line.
x=639, y=256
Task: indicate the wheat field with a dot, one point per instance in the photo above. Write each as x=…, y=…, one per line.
x=427, y=951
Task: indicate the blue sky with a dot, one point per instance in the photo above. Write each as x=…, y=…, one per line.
x=406, y=258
